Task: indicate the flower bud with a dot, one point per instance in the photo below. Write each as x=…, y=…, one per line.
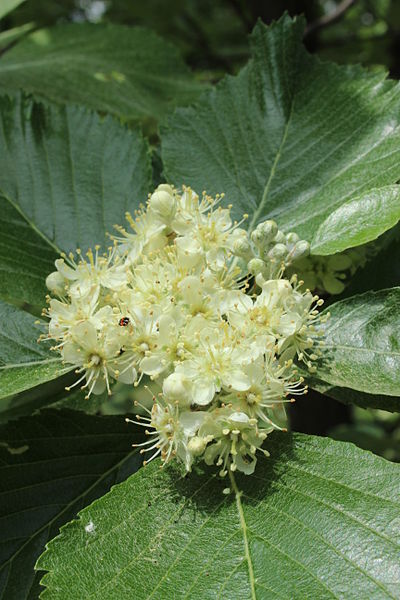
x=301, y=249
x=164, y=187
x=264, y=233
x=292, y=238
x=256, y=266
x=176, y=388
x=339, y=262
x=163, y=204
x=280, y=238
x=242, y=248
x=197, y=445
x=278, y=252
x=55, y=283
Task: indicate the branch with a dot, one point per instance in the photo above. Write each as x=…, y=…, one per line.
x=329, y=19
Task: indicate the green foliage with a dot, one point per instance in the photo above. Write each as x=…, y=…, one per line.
x=362, y=343
x=128, y=72
x=23, y=362
x=310, y=144
x=70, y=173
x=22, y=266
x=51, y=466
x=313, y=522
x=11, y=35
x=358, y=221
x=289, y=138
x=375, y=430
x=350, y=396
x=9, y=5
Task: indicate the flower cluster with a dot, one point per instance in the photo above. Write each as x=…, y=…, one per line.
x=186, y=297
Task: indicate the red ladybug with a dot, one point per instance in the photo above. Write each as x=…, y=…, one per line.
x=124, y=321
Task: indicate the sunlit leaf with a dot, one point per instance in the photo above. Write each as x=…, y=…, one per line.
x=319, y=519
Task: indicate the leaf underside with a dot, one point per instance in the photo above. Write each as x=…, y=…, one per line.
x=320, y=519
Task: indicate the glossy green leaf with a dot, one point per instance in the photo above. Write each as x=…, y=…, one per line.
x=70, y=173
x=25, y=259
x=121, y=70
x=9, y=5
x=51, y=466
x=362, y=343
x=24, y=363
x=350, y=396
x=358, y=221
x=319, y=519
x=289, y=138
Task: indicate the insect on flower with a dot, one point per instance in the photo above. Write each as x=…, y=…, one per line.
x=124, y=322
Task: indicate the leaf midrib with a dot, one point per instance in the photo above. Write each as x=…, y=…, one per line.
x=243, y=526
x=264, y=198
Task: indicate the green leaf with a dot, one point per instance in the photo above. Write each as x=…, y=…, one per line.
x=24, y=363
x=45, y=395
x=349, y=396
x=290, y=138
x=70, y=175
x=319, y=519
x=51, y=466
x=9, y=5
x=25, y=259
x=362, y=343
x=11, y=35
x=358, y=221
x=121, y=70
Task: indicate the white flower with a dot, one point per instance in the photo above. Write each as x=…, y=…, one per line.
x=148, y=236
x=97, y=356
x=216, y=363
x=63, y=316
x=189, y=299
x=235, y=439
x=172, y=432
x=88, y=277
x=271, y=384
x=138, y=339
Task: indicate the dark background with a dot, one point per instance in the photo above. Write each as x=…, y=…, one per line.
x=212, y=37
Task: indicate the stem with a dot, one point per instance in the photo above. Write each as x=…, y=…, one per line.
x=330, y=18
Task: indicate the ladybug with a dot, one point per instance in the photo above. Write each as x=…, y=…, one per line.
x=124, y=321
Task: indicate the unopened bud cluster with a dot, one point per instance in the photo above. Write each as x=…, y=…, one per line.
x=331, y=274
x=269, y=251
x=187, y=297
